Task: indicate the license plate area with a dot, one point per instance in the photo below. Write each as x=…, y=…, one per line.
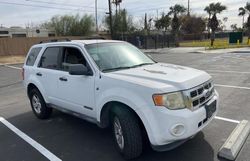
x=210, y=109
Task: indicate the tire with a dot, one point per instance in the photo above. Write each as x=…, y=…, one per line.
x=130, y=142
x=38, y=105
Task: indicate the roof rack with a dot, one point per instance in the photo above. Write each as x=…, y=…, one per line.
x=55, y=40
x=93, y=38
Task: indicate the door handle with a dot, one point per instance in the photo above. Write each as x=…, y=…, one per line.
x=63, y=79
x=39, y=74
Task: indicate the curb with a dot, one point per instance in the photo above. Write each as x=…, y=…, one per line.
x=235, y=141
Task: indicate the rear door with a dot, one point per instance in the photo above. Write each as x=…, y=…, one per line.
x=76, y=91
x=47, y=72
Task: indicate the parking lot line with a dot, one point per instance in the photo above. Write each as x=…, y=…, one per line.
x=10, y=84
x=13, y=67
x=29, y=140
x=226, y=119
x=229, y=86
x=221, y=71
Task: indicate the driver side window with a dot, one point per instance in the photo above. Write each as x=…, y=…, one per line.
x=71, y=55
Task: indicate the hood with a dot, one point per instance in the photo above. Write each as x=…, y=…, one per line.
x=161, y=75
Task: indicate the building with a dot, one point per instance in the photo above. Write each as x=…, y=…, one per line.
x=13, y=32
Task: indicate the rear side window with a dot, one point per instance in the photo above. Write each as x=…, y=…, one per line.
x=32, y=56
x=50, y=57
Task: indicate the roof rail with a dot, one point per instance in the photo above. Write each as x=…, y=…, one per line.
x=55, y=40
x=93, y=38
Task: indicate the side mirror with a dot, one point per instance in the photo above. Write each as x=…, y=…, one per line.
x=79, y=69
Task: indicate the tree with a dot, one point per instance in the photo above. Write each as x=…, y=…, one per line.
x=146, y=23
x=208, y=9
x=248, y=26
x=246, y=9
x=222, y=24
x=176, y=10
x=69, y=25
x=193, y=25
x=213, y=9
x=163, y=23
x=242, y=12
x=214, y=23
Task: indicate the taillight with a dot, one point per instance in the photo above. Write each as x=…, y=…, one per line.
x=23, y=73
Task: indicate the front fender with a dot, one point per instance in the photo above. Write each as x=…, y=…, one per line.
x=129, y=98
x=121, y=95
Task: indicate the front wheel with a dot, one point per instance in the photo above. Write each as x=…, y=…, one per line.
x=127, y=133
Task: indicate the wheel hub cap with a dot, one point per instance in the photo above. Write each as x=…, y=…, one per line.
x=36, y=103
x=118, y=133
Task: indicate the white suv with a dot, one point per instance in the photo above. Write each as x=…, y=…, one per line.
x=112, y=83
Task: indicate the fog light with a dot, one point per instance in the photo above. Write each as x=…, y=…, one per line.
x=177, y=130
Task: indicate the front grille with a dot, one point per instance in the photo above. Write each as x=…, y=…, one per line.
x=199, y=95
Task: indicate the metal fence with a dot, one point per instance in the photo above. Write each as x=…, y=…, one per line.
x=148, y=42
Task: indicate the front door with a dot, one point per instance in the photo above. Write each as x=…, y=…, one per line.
x=76, y=93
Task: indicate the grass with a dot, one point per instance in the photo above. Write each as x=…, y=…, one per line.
x=12, y=59
x=218, y=44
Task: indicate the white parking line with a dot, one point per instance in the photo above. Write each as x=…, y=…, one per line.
x=226, y=119
x=228, y=86
x=221, y=71
x=29, y=140
x=13, y=67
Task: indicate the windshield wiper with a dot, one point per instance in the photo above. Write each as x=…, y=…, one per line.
x=139, y=65
x=120, y=68
x=113, y=69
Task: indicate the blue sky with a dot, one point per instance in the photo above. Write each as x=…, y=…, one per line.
x=18, y=15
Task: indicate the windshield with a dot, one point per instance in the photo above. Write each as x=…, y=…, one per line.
x=117, y=56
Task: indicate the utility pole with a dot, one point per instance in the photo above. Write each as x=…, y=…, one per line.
x=96, y=18
x=188, y=7
x=157, y=14
x=117, y=4
x=110, y=16
x=146, y=31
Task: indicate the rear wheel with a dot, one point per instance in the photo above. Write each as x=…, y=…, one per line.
x=127, y=133
x=38, y=105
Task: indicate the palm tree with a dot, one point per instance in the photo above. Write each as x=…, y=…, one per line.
x=213, y=9
x=242, y=12
x=208, y=9
x=176, y=10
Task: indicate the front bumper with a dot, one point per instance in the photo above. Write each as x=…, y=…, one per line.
x=159, y=123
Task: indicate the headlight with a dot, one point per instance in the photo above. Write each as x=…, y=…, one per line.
x=172, y=101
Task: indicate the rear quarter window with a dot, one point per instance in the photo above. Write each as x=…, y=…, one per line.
x=32, y=56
